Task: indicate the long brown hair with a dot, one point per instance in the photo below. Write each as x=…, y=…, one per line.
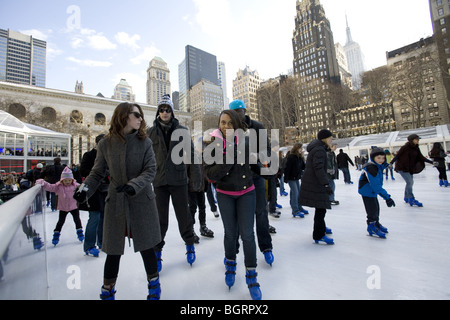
x=120, y=118
x=296, y=149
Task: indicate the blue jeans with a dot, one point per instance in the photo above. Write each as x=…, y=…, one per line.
x=238, y=217
x=262, y=215
x=346, y=172
x=282, y=183
x=333, y=187
x=409, y=179
x=94, y=230
x=294, y=195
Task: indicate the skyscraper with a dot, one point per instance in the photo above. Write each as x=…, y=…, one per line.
x=197, y=65
x=245, y=85
x=315, y=67
x=158, y=80
x=222, y=78
x=22, y=58
x=123, y=91
x=354, y=59
x=440, y=18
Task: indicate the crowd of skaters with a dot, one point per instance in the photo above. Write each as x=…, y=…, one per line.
x=127, y=181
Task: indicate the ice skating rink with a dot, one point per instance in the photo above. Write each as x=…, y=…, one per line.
x=412, y=263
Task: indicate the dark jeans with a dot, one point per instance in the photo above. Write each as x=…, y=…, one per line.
x=272, y=192
x=319, y=224
x=372, y=209
x=197, y=200
x=94, y=230
x=210, y=196
x=62, y=218
x=442, y=173
x=262, y=215
x=112, y=263
x=180, y=204
x=238, y=218
x=346, y=173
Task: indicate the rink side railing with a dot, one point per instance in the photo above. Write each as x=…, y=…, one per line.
x=23, y=254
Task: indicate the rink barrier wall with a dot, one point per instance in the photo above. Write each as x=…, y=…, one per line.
x=23, y=254
x=12, y=213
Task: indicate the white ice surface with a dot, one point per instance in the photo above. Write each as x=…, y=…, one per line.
x=412, y=263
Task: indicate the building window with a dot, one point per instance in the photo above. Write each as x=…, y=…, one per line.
x=76, y=117
x=49, y=114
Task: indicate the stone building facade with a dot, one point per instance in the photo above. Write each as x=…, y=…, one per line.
x=80, y=115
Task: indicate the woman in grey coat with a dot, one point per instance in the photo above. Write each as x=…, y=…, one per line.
x=130, y=208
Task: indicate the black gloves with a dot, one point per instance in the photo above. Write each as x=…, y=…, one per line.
x=328, y=189
x=127, y=189
x=390, y=202
x=80, y=195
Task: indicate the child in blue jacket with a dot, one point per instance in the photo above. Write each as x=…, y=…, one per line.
x=370, y=186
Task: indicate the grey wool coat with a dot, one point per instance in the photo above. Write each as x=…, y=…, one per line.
x=131, y=162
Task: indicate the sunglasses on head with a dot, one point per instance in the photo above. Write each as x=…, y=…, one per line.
x=166, y=110
x=137, y=114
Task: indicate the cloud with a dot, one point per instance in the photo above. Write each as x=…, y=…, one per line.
x=148, y=54
x=100, y=42
x=38, y=34
x=90, y=63
x=92, y=39
x=208, y=13
x=124, y=38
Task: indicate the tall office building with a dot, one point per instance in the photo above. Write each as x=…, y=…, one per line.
x=197, y=65
x=355, y=59
x=222, y=78
x=440, y=18
x=245, y=85
x=315, y=67
x=123, y=91
x=22, y=58
x=206, y=103
x=158, y=81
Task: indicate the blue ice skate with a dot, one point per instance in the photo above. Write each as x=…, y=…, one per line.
x=108, y=294
x=190, y=254
x=154, y=289
x=230, y=274
x=373, y=229
x=55, y=239
x=253, y=285
x=325, y=240
x=92, y=251
x=268, y=256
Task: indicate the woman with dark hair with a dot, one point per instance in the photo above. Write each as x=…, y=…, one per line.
x=235, y=195
x=410, y=161
x=295, y=164
x=438, y=155
x=130, y=208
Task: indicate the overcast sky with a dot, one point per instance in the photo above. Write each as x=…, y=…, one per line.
x=99, y=42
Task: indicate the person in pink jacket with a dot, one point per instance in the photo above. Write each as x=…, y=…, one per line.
x=65, y=189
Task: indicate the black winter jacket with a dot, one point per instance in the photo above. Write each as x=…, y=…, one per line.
x=294, y=167
x=167, y=172
x=231, y=176
x=312, y=190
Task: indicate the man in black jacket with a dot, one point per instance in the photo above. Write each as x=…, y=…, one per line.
x=171, y=178
x=52, y=174
x=343, y=160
